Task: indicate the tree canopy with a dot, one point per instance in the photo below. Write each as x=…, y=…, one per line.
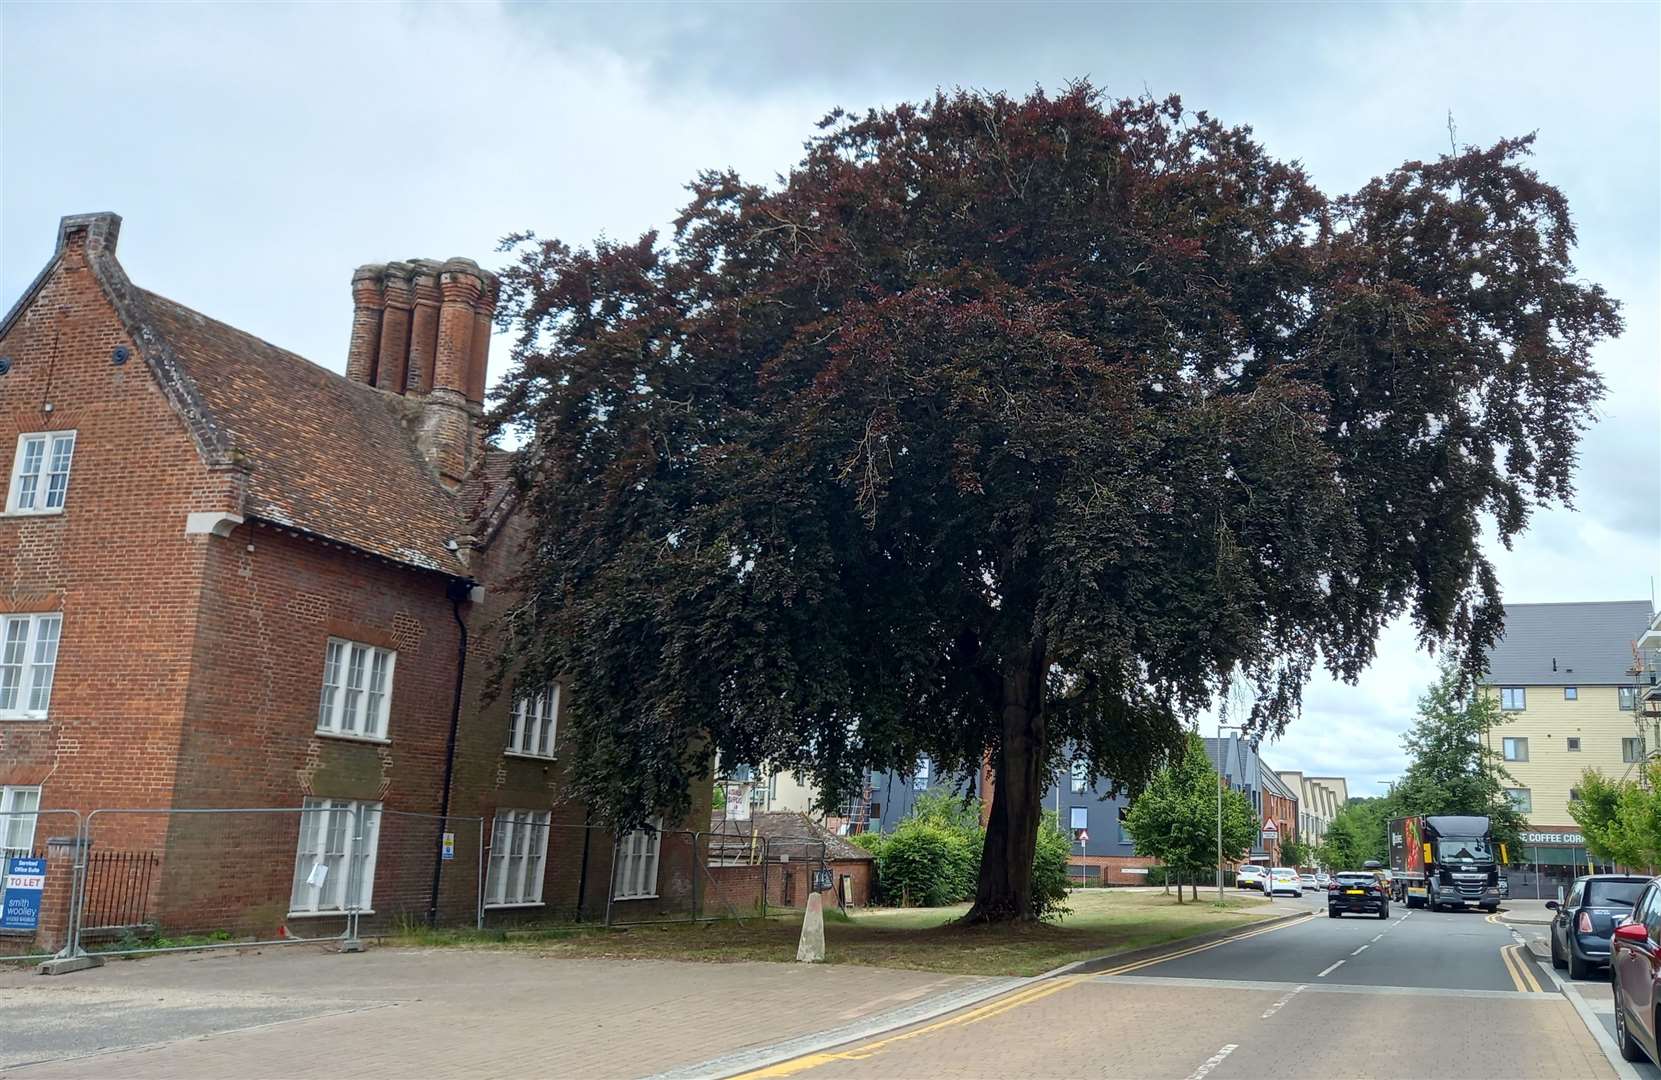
x=1001, y=424
x=1621, y=818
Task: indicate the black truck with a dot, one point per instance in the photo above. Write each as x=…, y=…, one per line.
x=1444, y=861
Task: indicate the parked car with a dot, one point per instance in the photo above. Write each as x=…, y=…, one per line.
x=1322, y=879
x=1284, y=879
x=1308, y=882
x=1250, y=877
x=1357, y=891
x=1585, y=921
x=1635, y=975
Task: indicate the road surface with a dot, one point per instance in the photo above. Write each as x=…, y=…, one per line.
x=1421, y=994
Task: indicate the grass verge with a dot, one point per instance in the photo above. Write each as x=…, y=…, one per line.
x=1103, y=922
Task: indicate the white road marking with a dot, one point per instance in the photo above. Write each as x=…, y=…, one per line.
x=1272, y=1009
x=1330, y=970
x=1356, y=952
x=1213, y=1061
x=1375, y=936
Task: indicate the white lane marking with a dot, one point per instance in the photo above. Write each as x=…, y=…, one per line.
x=1213, y=1061
x=1358, y=951
x=1276, y=1007
x=1375, y=936
x=1330, y=970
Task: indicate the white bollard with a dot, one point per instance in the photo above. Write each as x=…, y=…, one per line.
x=811, y=949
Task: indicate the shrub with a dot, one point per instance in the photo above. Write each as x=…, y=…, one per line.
x=927, y=864
x=1049, y=870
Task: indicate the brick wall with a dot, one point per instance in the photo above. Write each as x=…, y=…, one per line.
x=116, y=562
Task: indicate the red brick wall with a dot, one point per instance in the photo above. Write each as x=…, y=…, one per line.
x=117, y=562
x=1110, y=869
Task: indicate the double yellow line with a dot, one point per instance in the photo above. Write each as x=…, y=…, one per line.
x=998, y=1006
x=983, y=1012
x=1522, y=975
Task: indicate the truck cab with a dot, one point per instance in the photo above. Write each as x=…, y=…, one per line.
x=1444, y=861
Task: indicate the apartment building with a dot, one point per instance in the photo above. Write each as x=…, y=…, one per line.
x=1322, y=798
x=1570, y=679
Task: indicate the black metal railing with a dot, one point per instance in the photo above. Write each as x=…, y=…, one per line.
x=118, y=888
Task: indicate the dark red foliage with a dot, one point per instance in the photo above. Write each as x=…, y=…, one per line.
x=1004, y=425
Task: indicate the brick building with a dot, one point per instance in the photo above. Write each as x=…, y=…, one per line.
x=233, y=578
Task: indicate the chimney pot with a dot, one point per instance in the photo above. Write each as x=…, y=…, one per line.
x=367, y=303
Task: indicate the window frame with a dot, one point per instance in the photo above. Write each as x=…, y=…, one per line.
x=1079, y=776
x=1636, y=747
x=531, y=715
x=1571, y=693
x=9, y=796
x=45, y=470
x=1571, y=744
x=523, y=834
x=1525, y=805
x=317, y=820
x=920, y=778
x=632, y=847
x=1513, y=699
x=1075, y=814
x=1510, y=742
x=1626, y=698
x=333, y=699
x=28, y=665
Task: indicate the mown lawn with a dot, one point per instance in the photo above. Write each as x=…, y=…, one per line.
x=1102, y=922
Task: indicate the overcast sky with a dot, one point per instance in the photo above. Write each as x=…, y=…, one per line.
x=259, y=153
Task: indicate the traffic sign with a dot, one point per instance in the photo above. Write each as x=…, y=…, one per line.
x=1270, y=831
x=1081, y=835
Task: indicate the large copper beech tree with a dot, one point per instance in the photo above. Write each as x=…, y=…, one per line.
x=1004, y=425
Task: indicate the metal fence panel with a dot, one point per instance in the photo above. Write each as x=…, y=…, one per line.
x=34, y=930
x=220, y=877
x=428, y=872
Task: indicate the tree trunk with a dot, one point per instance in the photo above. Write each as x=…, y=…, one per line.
x=1004, y=891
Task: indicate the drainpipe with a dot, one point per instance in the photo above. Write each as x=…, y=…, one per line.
x=457, y=592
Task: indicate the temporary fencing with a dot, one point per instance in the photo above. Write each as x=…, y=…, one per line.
x=138, y=880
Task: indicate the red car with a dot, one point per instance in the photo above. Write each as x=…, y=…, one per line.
x=1635, y=974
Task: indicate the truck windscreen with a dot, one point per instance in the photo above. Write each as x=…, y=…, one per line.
x=1465, y=849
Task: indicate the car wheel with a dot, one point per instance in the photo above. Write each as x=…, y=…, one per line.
x=1556, y=957
x=1630, y=1050
x=1331, y=912
x=1578, y=968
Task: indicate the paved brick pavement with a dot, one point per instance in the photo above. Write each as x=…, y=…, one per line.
x=436, y=1013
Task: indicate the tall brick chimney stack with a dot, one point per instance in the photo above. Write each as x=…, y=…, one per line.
x=423, y=340
x=399, y=291
x=422, y=329
x=367, y=302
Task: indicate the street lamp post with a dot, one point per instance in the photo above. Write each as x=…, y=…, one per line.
x=1220, y=781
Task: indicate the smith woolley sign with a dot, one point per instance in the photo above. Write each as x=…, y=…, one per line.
x=1570, y=838
x=25, y=879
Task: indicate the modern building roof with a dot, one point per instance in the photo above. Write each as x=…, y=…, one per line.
x=1586, y=644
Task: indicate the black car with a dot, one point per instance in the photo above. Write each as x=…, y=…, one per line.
x=1357, y=890
x=1584, y=922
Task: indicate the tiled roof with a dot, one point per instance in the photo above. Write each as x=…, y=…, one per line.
x=787, y=824
x=326, y=455
x=1589, y=644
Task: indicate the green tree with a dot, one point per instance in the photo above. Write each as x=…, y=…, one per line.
x=1294, y=851
x=1357, y=833
x=1621, y=819
x=1001, y=424
x=1175, y=818
x=1452, y=767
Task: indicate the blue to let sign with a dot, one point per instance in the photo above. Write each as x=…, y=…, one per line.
x=25, y=880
